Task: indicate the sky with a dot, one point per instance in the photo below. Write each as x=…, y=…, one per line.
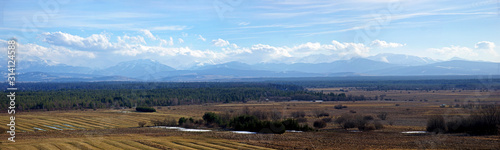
x=187, y=33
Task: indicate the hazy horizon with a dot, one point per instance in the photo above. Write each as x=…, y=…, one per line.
x=183, y=34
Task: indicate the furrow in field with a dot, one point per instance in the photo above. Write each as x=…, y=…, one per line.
x=49, y=123
x=127, y=122
x=46, y=146
x=54, y=122
x=86, y=125
x=90, y=121
x=118, y=123
x=21, y=127
x=229, y=145
x=120, y=145
x=64, y=146
x=190, y=144
x=245, y=145
x=83, y=146
x=99, y=144
x=26, y=147
x=82, y=124
x=213, y=146
x=8, y=148
x=101, y=121
x=137, y=145
x=173, y=145
x=33, y=124
x=152, y=144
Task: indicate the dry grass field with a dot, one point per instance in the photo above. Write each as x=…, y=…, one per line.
x=118, y=128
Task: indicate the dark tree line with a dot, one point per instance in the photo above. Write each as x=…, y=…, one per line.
x=67, y=96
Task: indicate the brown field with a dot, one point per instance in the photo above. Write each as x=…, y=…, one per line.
x=117, y=129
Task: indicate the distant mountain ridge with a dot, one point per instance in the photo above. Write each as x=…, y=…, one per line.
x=151, y=70
x=135, y=68
x=401, y=59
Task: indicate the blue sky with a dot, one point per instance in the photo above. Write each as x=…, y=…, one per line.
x=187, y=33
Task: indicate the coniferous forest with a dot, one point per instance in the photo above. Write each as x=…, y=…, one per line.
x=67, y=96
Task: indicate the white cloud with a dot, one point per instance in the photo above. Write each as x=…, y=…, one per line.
x=201, y=38
x=348, y=50
x=453, y=51
x=180, y=41
x=304, y=53
x=243, y=23
x=220, y=42
x=167, y=42
x=148, y=34
x=52, y=54
x=91, y=43
x=485, y=45
x=131, y=39
x=384, y=44
x=234, y=45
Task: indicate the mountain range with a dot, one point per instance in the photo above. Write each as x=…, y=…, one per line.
x=151, y=70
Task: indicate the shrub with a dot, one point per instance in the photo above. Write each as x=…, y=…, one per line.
x=367, y=117
x=436, y=124
x=210, y=118
x=382, y=115
x=301, y=120
x=482, y=122
x=339, y=106
x=327, y=120
x=378, y=125
x=253, y=124
x=298, y=114
x=260, y=114
x=361, y=122
x=145, y=109
x=165, y=122
x=142, y=123
x=182, y=121
x=276, y=115
x=321, y=113
x=352, y=111
x=346, y=121
x=292, y=124
x=319, y=124
x=457, y=125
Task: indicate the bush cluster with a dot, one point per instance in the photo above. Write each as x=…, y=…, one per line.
x=382, y=115
x=253, y=124
x=144, y=109
x=361, y=122
x=319, y=124
x=339, y=106
x=298, y=114
x=483, y=122
x=165, y=122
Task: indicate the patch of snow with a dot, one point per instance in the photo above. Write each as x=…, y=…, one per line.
x=39, y=129
x=182, y=129
x=194, y=130
x=63, y=127
x=52, y=127
x=414, y=132
x=244, y=132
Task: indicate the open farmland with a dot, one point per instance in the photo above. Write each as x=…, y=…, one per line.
x=154, y=138
x=109, y=120
x=117, y=129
